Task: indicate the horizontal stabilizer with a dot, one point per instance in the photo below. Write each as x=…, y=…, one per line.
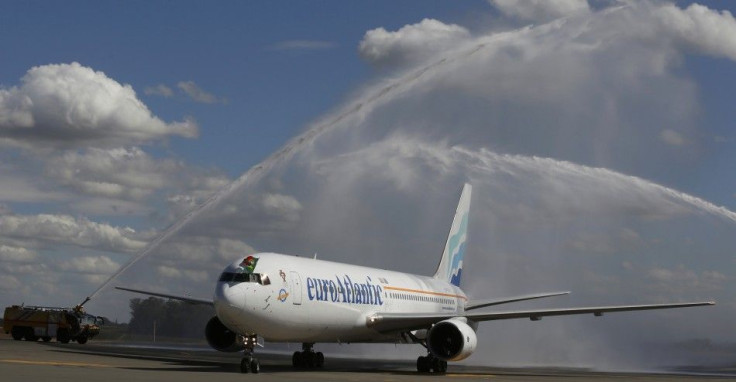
x=187, y=299
x=484, y=303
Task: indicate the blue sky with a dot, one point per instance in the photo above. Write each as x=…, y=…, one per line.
x=144, y=44
x=599, y=139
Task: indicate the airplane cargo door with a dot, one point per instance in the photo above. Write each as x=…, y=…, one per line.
x=296, y=288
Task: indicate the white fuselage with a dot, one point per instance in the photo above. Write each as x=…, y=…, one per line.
x=296, y=299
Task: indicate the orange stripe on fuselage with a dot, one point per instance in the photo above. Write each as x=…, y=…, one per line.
x=425, y=292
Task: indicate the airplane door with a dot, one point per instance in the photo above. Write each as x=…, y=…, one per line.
x=296, y=288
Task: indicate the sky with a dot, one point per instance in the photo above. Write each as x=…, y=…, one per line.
x=598, y=137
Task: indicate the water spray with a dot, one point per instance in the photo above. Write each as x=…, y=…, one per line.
x=286, y=152
x=372, y=98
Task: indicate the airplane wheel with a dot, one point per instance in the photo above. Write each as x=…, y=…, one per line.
x=245, y=365
x=438, y=365
x=319, y=360
x=309, y=359
x=423, y=364
x=297, y=359
x=255, y=366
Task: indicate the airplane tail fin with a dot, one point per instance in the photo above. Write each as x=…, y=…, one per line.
x=451, y=264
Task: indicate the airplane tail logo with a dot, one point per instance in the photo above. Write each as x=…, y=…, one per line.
x=451, y=264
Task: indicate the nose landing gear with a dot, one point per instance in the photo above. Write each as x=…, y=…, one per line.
x=307, y=358
x=248, y=363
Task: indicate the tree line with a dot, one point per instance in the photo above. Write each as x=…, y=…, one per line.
x=172, y=318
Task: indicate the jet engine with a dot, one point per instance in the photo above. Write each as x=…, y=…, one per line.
x=221, y=338
x=451, y=340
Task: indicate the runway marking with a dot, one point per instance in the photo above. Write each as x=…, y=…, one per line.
x=53, y=363
x=465, y=375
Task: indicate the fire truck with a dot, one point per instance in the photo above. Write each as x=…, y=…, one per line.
x=66, y=324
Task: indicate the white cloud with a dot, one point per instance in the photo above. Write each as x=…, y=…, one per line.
x=94, y=278
x=672, y=137
x=72, y=105
x=253, y=211
x=33, y=269
x=595, y=89
x=90, y=264
x=16, y=254
x=700, y=28
x=126, y=173
x=101, y=206
x=9, y=283
x=196, y=93
x=540, y=10
x=187, y=275
x=159, y=90
x=17, y=185
x=169, y=272
x=681, y=278
x=593, y=243
x=120, y=181
x=284, y=206
x=411, y=43
x=45, y=229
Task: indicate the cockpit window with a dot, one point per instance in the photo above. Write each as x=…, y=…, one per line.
x=231, y=277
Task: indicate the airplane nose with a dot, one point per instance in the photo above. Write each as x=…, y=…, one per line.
x=228, y=302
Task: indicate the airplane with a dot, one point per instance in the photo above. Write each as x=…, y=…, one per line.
x=283, y=298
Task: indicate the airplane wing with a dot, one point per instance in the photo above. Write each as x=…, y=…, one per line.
x=187, y=299
x=395, y=322
x=475, y=304
x=536, y=315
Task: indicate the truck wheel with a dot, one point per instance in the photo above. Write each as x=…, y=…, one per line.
x=29, y=335
x=82, y=340
x=62, y=335
x=17, y=332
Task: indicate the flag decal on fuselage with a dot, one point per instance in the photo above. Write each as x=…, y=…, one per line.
x=248, y=265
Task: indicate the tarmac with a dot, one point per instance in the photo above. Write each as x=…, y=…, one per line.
x=110, y=362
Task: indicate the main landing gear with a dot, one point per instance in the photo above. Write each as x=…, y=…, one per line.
x=428, y=363
x=307, y=358
x=248, y=363
x=432, y=364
